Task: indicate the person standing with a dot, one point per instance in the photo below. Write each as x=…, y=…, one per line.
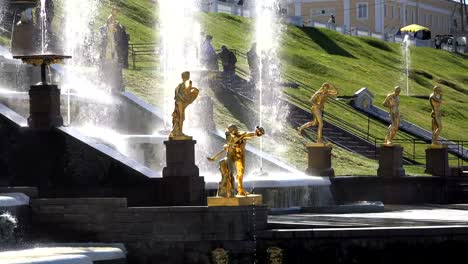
x=228, y=60
x=209, y=57
x=331, y=22
x=252, y=59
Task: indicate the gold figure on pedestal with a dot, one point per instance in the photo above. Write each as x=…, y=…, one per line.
x=436, y=100
x=392, y=101
x=235, y=158
x=318, y=103
x=185, y=94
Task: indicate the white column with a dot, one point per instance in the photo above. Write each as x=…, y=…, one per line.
x=346, y=14
x=405, y=11
x=379, y=16
x=298, y=9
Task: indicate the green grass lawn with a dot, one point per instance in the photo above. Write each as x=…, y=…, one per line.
x=314, y=56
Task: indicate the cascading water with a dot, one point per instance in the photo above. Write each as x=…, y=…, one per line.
x=180, y=44
x=81, y=73
x=405, y=49
x=272, y=112
x=43, y=15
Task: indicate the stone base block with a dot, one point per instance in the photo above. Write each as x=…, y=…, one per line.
x=319, y=163
x=180, y=158
x=184, y=191
x=44, y=107
x=238, y=200
x=437, y=162
x=391, y=162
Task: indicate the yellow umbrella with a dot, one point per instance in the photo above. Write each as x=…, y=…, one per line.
x=413, y=28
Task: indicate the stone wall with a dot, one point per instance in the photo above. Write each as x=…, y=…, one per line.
x=366, y=245
x=402, y=190
x=166, y=234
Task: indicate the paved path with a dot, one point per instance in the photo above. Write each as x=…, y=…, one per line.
x=394, y=216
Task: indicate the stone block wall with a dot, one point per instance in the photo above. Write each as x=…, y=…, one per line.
x=170, y=234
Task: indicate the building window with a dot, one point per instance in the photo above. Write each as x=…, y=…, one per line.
x=385, y=10
x=399, y=13
x=362, y=10
x=406, y=15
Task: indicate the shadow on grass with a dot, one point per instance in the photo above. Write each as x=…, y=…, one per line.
x=376, y=43
x=235, y=104
x=325, y=42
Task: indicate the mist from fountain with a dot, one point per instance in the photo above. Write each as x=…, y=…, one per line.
x=2, y=12
x=180, y=44
x=405, y=50
x=43, y=15
x=82, y=72
x=272, y=111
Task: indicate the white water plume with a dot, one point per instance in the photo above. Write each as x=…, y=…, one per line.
x=273, y=112
x=43, y=14
x=405, y=49
x=81, y=72
x=180, y=42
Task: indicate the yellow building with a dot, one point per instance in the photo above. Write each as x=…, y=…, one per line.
x=381, y=16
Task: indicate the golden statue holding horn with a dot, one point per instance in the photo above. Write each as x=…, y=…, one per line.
x=185, y=94
x=235, y=158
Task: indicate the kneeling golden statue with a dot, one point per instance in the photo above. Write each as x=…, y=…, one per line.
x=235, y=159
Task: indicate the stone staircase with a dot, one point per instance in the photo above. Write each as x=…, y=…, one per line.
x=298, y=116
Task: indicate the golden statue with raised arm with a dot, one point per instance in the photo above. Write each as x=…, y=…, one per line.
x=185, y=94
x=392, y=101
x=235, y=159
x=318, y=103
x=436, y=100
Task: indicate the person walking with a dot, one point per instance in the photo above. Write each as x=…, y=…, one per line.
x=252, y=60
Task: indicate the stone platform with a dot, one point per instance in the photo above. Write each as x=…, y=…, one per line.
x=91, y=253
x=402, y=234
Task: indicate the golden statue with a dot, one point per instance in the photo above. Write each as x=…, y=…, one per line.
x=112, y=24
x=275, y=255
x=235, y=158
x=392, y=101
x=185, y=94
x=436, y=100
x=220, y=256
x=318, y=103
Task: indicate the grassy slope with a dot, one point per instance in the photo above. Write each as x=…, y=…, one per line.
x=318, y=55
x=314, y=56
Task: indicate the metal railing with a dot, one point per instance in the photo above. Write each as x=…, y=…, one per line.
x=412, y=146
x=142, y=52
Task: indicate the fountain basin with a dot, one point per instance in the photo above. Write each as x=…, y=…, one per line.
x=283, y=189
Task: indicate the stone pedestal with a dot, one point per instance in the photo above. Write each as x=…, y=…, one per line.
x=319, y=163
x=44, y=107
x=391, y=162
x=437, y=161
x=181, y=180
x=238, y=200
